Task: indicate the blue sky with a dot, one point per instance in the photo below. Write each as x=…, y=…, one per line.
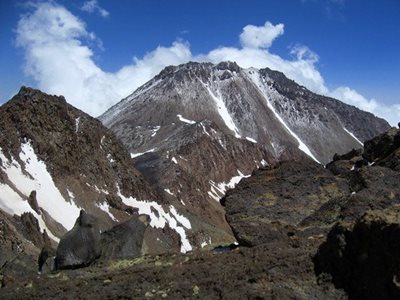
x=348, y=49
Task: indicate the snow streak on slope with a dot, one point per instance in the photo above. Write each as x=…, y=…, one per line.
x=354, y=137
x=13, y=204
x=106, y=208
x=224, y=113
x=218, y=190
x=133, y=155
x=182, y=119
x=48, y=196
x=255, y=78
x=161, y=218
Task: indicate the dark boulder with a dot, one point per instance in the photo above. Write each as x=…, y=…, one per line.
x=81, y=245
x=124, y=240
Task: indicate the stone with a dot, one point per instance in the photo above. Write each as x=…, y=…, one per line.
x=81, y=245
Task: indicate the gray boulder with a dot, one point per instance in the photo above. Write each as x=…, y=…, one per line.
x=81, y=245
x=124, y=240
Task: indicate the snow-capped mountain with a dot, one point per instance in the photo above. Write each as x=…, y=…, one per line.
x=196, y=129
x=56, y=160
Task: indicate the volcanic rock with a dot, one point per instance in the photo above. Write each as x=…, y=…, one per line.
x=81, y=245
x=124, y=240
x=362, y=257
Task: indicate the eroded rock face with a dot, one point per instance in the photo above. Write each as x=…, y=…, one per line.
x=363, y=257
x=271, y=204
x=81, y=245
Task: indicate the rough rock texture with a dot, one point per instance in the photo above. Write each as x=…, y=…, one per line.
x=310, y=235
x=124, y=240
x=81, y=245
x=281, y=197
x=363, y=257
x=18, y=254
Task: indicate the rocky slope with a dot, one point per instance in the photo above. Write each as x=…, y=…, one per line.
x=56, y=160
x=304, y=232
x=196, y=129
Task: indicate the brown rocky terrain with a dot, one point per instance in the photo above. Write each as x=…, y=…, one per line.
x=55, y=161
x=304, y=232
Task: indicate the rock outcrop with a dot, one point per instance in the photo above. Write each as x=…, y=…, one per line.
x=362, y=257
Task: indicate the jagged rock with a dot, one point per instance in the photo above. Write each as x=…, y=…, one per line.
x=31, y=229
x=124, y=240
x=363, y=257
x=348, y=156
x=382, y=145
x=81, y=245
x=270, y=204
x=33, y=202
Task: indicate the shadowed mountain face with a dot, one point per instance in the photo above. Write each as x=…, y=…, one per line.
x=196, y=129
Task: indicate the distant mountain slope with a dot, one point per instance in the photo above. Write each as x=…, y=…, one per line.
x=196, y=129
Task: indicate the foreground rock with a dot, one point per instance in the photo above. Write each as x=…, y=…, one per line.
x=363, y=257
x=81, y=245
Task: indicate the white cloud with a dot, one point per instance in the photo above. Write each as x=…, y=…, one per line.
x=92, y=6
x=59, y=59
x=390, y=112
x=260, y=36
x=61, y=64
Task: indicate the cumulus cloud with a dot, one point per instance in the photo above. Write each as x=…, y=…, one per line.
x=260, y=36
x=59, y=59
x=92, y=6
x=390, y=112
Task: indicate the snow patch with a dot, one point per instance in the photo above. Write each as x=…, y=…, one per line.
x=48, y=196
x=133, y=155
x=353, y=136
x=218, y=190
x=77, y=120
x=13, y=204
x=106, y=208
x=161, y=218
x=110, y=158
x=182, y=119
x=169, y=192
x=157, y=128
x=251, y=140
x=205, y=243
